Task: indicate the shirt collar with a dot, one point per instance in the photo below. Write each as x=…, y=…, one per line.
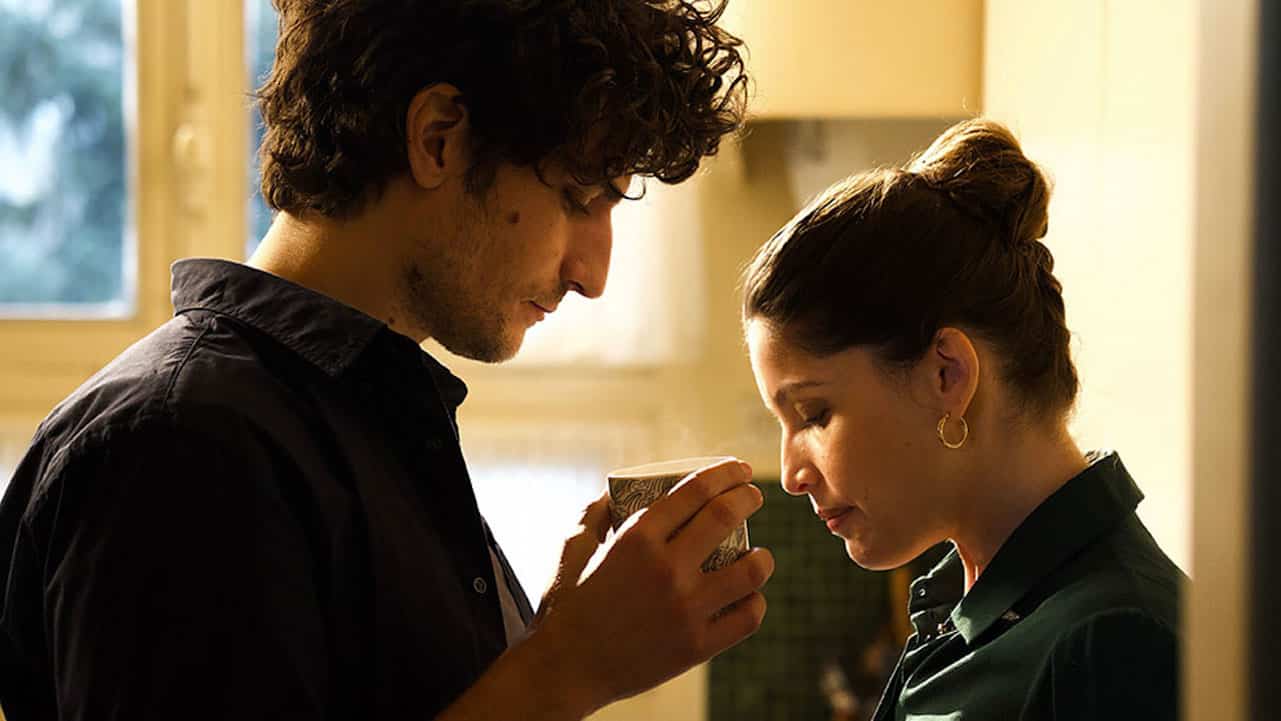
x=452, y=389
x=1086, y=507
x=324, y=331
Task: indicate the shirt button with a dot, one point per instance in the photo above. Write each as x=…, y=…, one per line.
x=921, y=592
x=479, y=584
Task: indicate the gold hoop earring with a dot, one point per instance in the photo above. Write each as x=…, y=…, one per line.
x=965, y=431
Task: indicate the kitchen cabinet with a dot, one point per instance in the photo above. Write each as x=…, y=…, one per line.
x=862, y=58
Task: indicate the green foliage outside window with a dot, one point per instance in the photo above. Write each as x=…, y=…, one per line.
x=63, y=185
x=260, y=41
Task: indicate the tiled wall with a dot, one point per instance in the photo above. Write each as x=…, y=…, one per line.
x=822, y=609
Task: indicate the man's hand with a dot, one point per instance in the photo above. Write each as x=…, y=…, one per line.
x=648, y=612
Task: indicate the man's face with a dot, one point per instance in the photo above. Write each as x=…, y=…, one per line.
x=493, y=264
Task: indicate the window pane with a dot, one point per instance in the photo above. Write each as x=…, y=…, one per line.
x=65, y=244
x=533, y=505
x=13, y=444
x=656, y=277
x=533, y=479
x=260, y=47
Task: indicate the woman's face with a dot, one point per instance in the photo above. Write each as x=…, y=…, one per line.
x=858, y=442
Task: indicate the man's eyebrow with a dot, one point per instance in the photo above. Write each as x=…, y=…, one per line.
x=786, y=389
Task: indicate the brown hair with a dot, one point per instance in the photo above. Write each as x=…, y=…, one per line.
x=540, y=79
x=888, y=257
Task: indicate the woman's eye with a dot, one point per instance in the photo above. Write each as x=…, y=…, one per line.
x=818, y=419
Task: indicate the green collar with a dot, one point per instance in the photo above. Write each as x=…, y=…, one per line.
x=1087, y=506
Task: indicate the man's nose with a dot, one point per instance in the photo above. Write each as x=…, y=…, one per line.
x=587, y=262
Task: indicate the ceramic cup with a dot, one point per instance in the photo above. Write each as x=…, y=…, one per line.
x=633, y=489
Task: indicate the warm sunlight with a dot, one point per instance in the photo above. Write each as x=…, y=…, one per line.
x=286, y=411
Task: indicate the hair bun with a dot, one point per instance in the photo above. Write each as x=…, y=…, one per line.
x=979, y=165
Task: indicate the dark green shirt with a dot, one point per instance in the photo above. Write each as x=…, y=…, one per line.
x=1075, y=618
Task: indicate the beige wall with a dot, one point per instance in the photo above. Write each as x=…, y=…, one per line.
x=1102, y=94
x=1142, y=109
x=841, y=59
x=1216, y=613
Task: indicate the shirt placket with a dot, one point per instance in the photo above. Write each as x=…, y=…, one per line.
x=461, y=512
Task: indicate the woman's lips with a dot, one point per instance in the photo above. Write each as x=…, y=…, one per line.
x=834, y=516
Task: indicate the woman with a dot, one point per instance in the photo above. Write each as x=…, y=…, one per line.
x=909, y=334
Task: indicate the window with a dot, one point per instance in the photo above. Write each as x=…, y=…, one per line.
x=109, y=114
x=260, y=46
x=533, y=481
x=655, y=300
x=14, y=439
x=65, y=237
x=165, y=167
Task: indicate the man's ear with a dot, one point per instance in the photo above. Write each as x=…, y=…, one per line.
x=436, y=135
x=953, y=364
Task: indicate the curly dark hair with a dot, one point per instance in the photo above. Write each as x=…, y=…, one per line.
x=607, y=87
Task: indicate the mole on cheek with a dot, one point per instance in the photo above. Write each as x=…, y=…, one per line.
x=514, y=217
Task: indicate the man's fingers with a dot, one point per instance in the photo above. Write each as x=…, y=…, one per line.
x=579, y=548
x=715, y=521
x=735, y=623
x=674, y=510
x=739, y=579
x=595, y=518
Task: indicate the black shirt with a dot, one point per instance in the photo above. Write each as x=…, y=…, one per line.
x=259, y=511
x=1076, y=617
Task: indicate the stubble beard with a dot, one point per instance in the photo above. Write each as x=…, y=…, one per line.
x=452, y=296
x=474, y=329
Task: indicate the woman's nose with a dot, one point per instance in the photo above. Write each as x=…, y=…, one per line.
x=798, y=473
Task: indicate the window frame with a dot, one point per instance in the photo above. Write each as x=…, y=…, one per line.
x=186, y=111
x=190, y=135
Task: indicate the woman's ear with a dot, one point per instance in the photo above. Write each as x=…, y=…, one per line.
x=953, y=363
x=436, y=135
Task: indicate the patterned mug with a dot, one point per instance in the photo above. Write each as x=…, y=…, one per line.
x=634, y=489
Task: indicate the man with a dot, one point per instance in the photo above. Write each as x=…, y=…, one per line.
x=261, y=509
